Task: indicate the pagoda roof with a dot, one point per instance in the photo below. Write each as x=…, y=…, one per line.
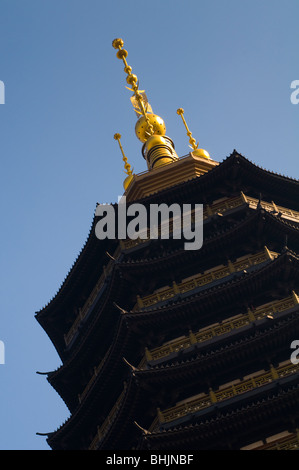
x=240, y=171
x=131, y=408
x=217, y=245
x=234, y=172
x=263, y=407
x=126, y=330
x=245, y=284
x=224, y=354
x=286, y=185
x=235, y=167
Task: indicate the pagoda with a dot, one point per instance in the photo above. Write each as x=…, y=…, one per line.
x=164, y=348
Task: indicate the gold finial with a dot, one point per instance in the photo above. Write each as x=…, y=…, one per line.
x=192, y=141
x=140, y=103
x=196, y=151
x=128, y=170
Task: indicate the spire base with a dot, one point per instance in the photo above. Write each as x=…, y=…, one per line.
x=159, y=150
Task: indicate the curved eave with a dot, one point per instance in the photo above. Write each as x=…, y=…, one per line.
x=236, y=168
x=71, y=275
x=57, y=378
x=71, y=430
x=97, y=333
x=74, y=275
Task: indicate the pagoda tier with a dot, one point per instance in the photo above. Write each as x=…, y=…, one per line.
x=70, y=384
x=144, y=327
x=268, y=408
x=233, y=175
x=214, y=360
x=185, y=311
x=201, y=421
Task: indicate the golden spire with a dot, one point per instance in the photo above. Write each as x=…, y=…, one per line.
x=158, y=149
x=127, y=166
x=196, y=151
x=139, y=99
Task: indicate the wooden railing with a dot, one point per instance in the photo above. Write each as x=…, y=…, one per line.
x=266, y=310
x=205, y=400
x=207, y=277
x=272, y=207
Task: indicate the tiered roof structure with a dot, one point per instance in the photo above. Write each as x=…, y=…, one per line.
x=164, y=348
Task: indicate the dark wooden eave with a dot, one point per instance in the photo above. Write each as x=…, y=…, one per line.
x=54, y=317
x=235, y=173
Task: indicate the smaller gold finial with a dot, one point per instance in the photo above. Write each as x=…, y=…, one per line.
x=128, y=170
x=192, y=141
x=196, y=151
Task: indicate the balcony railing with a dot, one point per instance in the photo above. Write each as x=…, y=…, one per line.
x=202, y=401
x=269, y=310
x=206, y=278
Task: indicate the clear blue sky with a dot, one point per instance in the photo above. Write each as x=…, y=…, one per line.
x=229, y=64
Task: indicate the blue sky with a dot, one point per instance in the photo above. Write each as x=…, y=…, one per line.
x=228, y=63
